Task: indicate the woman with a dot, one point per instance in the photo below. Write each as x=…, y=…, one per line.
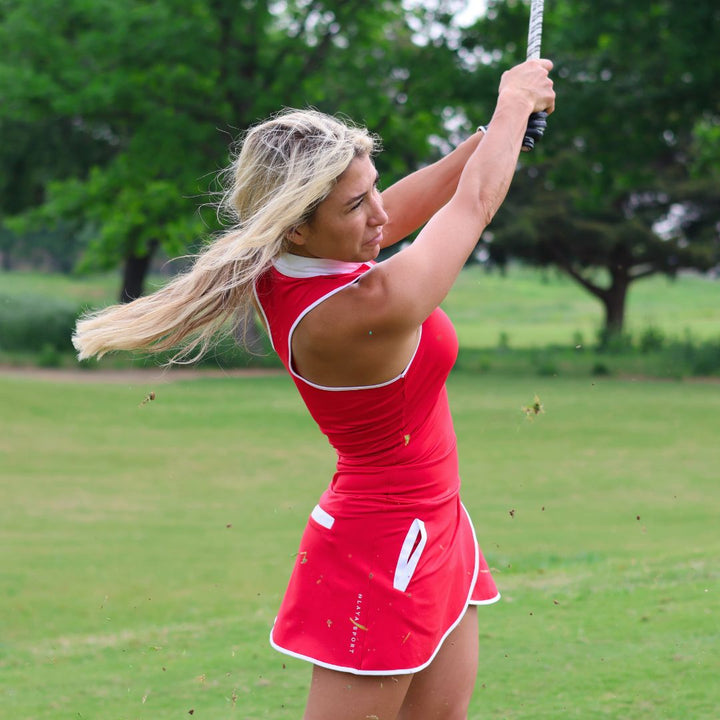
x=383, y=596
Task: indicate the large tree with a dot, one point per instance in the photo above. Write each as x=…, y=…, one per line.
x=619, y=189
x=149, y=95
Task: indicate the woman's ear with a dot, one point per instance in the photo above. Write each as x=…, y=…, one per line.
x=297, y=235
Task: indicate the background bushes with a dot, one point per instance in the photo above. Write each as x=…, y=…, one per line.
x=647, y=354
x=38, y=329
x=33, y=323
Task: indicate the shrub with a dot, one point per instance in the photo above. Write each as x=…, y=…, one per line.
x=503, y=341
x=613, y=343
x=652, y=339
x=49, y=357
x=600, y=369
x=42, y=327
x=706, y=358
x=545, y=364
x=34, y=324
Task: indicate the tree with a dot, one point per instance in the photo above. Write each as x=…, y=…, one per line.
x=613, y=194
x=150, y=94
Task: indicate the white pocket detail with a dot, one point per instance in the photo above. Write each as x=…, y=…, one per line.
x=321, y=517
x=410, y=555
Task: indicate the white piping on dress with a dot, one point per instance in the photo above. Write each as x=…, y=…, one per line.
x=322, y=517
x=412, y=549
x=297, y=266
x=342, y=388
x=258, y=304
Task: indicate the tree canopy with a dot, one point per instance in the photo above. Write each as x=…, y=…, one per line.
x=625, y=184
x=116, y=115
x=141, y=101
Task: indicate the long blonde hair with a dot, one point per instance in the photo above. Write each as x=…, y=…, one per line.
x=285, y=167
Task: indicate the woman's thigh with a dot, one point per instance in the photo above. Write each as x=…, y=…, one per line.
x=442, y=691
x=343, y=696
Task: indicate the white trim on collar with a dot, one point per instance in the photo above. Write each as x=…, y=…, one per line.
x=298, y=266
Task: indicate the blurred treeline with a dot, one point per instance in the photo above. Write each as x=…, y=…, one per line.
x=116, y=115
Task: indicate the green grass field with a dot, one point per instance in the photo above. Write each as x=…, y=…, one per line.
x=532, y=309
x=144, y=547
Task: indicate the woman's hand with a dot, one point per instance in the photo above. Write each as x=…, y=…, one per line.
x=530, y=81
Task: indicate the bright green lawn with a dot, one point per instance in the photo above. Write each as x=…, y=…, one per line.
x=92, y=289
x=144, y=548
x=532, y=309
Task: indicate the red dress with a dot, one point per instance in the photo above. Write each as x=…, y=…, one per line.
x=388, y=561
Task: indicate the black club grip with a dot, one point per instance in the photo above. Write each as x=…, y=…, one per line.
x=535, y=129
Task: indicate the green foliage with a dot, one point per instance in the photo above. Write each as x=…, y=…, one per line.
x=614, y=342
x=600, y=369
x=116, y=115
x=49, y=357
x=608, y=187
x=679, y=358
x=38, y=314
x=36, y=324
x=700, y=357
x=652, y=338
x=706, y=148
x=149, y=95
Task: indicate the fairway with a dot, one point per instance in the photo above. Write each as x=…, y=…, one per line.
x=531, y=308
x=145, y=545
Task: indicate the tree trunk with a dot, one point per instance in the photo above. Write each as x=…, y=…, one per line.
x=135, y=272
x=614, y=301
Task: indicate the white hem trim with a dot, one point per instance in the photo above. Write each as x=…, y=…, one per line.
x=492, y=601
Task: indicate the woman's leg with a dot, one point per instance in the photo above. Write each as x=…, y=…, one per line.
x=442, y=691
x=342, y=696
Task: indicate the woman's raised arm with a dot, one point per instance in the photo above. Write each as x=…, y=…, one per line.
x=404, y=289
x=413, y=200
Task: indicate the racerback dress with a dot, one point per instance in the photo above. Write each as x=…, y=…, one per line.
x=388, y=561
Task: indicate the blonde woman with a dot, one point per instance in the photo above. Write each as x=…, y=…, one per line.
x=383, y=596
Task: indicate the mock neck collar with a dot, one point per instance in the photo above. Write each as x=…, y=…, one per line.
x=298, y=266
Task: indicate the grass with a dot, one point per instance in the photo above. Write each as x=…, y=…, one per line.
x=92, y=289
x=144, y=547
x=529, y=308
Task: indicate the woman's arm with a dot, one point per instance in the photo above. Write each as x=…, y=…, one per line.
x=408, y=286
x=413, y=200
x=367, y=333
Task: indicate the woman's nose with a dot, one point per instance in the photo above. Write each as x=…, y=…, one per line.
x=379, y=216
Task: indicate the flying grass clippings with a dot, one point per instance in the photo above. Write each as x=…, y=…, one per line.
x=148, y=398
x=532, y=411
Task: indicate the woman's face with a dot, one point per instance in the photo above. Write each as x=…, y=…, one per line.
x=348, y=224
